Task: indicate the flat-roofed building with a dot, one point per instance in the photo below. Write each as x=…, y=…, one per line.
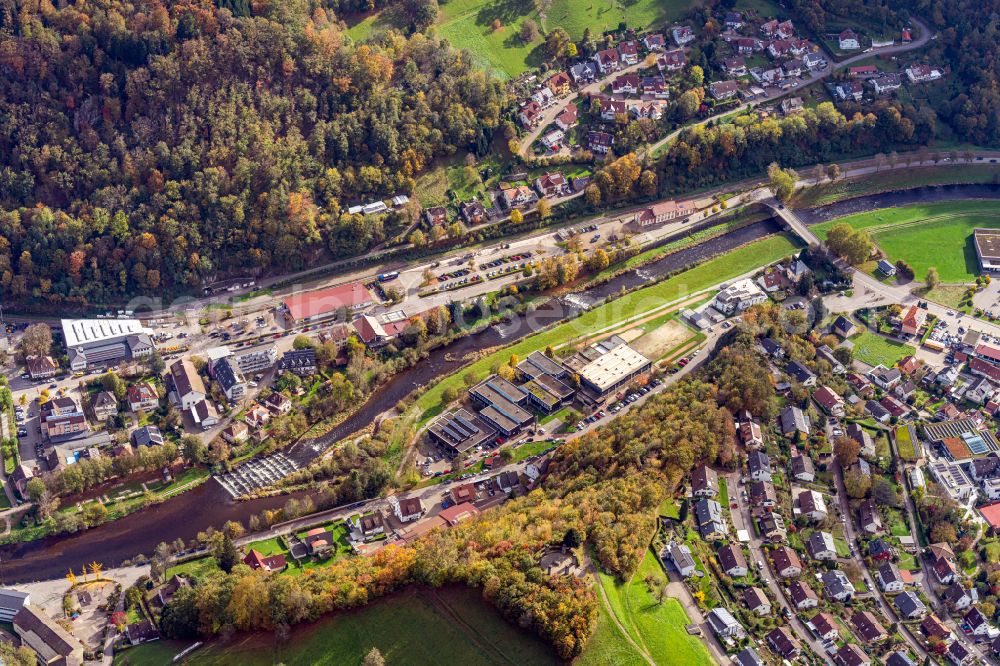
x=458, y=431
x=987, y=243
x=547, y=393
x=538, y=363
x=97, y=342
x=613, y=369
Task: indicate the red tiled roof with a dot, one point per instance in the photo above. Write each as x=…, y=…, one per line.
x=313, y=303
x=991, y=513
x=986, y=351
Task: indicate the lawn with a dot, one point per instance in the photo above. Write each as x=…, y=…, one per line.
x=198, y=568
x=268, y=547
x=904, y=444
x=608, y=646
x=723, y=492
x=897, y=179
x=874, y=349
x=924, y=235
x=415, y=627
x=699, y=278
x=658, y=627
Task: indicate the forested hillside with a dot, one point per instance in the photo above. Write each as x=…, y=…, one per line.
x=968, y=43
x=145, y=146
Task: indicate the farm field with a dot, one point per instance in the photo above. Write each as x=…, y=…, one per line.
x=415, y=627
x=937, y=234
x=875, y=350
x=701, y=277
x=657, y=627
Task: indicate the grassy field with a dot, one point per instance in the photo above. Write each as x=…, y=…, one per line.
x=904, y=444
x=701, y=277
x=898, y=179
x=873, y=349
x=924, y=235
x=657, y=627
x=417, y=627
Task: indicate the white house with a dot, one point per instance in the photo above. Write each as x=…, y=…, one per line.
x=848, y=41
x=738, y=297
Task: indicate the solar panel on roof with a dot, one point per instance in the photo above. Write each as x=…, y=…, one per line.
x=465, y=422
x=458, y=427
x=451, y=433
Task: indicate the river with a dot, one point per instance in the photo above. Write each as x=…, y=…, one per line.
x=210, y=505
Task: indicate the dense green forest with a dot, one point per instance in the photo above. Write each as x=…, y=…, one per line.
x=147, y=146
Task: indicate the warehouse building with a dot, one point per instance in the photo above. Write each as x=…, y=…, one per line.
x=310, y=306
x=987, y=243
x=502, y=405
x=612, y=370
x=105, y=342
x=538, y=363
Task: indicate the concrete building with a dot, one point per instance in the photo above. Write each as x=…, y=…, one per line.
x=612, y=369
x=987, y=242
x=105, y=342
x=188, y=386
x=739, y=296
x=458, y=431
x=310, y=306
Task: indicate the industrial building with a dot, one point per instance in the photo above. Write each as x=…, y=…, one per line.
x=459, y=430
x=987, y=242
x=502, y=405
x=608, y=366
x=105, y=342
x=310, y=306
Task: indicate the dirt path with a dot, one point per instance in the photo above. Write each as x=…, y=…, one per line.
x=614, y=618
x=639, y=320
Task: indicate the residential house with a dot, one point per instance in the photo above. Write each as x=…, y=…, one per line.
x=188, y=387
x=204, y=414
x=607, y=61
x=783, y=643
x=734, y=20
x=821, y=546
x=888, y=578
x=959, y=655
x=772, y=348
x=236, y=433
x=737, y=297
x=877, y=411
x=801, y=373
x=723, y=90
x=553, y=139
x=736, y=66
x=851, y=655
x=147, y=436
x=318, y=541
x=793, y=420
x=859, y=434
x=867, y=627
x=772, y=527
x=802, y=595
x=825, y=626
x=558, y=83
x=105, y=405
x=958, y=597
x=680, y=556
x=724, y=625
x=142, y=397
x=654, y=86
x=786, y=562
x=944, y=570
x=600, y=142
x=710, y=520
x=661, y=212
x=812, y=506
x=979, y=625
x=407, y=509
x=910, y=606
x=628, y=52
x=529, y=113
x=704, y=482
x=233, y=384
x=919, y=73
x=823, y=352
x=671, y=61
x=750, y=432
x=848, y=40
x=813, y=61
x=583, y=72
x=933, y=627
x=551, y=184
x=731, y=560
x=255, y=560
x=885, y=378
x=880, y=550
x=829, y=401
x=654, y=42
x=913, y=320
x=568, y=118
x=473, y=212
x=436, y=215
x=846, y=90
x=868, y=518
x=763, y=495
x=141, y=632
x=257, y=417
x=747, y=46
x=518, y=197
x=886, y=83
x=844, y=327
x=836, y=585
x=748, y=657
x=683, y=35
x=277, y=403
x=759, y=466
x=41, y=367
x=793, y=68
x=802, y=468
